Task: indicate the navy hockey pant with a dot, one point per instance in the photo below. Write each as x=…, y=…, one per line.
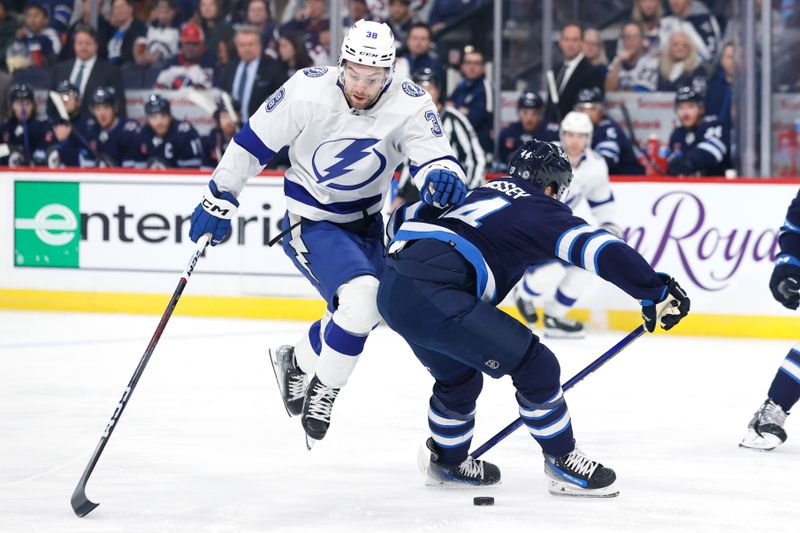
x=427, y=294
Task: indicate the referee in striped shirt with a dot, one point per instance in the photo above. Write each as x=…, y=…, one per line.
x=462, y=138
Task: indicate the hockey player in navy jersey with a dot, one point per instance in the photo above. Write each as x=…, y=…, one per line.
x=71, y=147
x=114, y=140
x=531, y=125
x=700, y=145
x=167, y=142
x=217, y=140
x=608, y=139
x=589, y=186
x=348, y=128
x=449, y=269
x=25, y=135
x=765, y=431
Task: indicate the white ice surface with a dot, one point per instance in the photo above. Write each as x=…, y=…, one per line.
x=205, y=444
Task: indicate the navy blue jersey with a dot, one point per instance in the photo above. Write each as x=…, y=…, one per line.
x=789, y=237
x=214, y=145
x=181, y=147
x=476, y=97
x=509, y=224
x=610, y=141
x=705, y=145
x=117, y=146
x=514, y=135
x=30, y=149
x=75, y=150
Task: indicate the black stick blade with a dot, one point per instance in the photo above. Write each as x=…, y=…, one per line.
x=80, y=503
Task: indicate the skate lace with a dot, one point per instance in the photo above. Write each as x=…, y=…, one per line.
x=471, y=468
x=581, y=464
x=297, y=386
x=771, y=413
x=321, y=402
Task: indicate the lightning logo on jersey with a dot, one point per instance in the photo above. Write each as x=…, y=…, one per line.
x=355, y=159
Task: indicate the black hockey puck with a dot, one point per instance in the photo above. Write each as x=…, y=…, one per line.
x=483, y=500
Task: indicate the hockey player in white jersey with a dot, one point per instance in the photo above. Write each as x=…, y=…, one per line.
x=590, y=184
x=347, y=128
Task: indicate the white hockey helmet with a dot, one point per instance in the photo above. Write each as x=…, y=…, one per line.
x=577, y=122
x=369, y=43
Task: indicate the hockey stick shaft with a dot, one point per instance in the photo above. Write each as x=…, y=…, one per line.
x=626, y=116
x=594, y=365
x=80, y=503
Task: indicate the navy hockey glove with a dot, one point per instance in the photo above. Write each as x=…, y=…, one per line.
x=669, y=310
x=785, y=281
x=443, y=188
x=213, y=215
x=680, y=165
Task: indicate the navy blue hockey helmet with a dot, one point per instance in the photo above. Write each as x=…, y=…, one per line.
x=156, y=104
x=424, y=76
x=687, y=94
x=529, y=100
x=20, y=91
x=542, y=164
x=590, y=96
x=68, y=88
x=104, y=95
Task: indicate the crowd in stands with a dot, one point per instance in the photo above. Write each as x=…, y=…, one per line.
x=87, y=59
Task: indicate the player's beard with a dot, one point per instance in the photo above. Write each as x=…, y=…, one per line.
x=360, y=101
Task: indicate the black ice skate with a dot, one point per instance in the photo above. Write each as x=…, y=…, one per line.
x=575, y=474
x=527, y=310
x=472, y=472
x=765, y=431
x=562, y=328
x=291, y=380
x=317, y=410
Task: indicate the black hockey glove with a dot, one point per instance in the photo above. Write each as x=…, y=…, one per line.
x=785, y=281
x=669, y=310
x=680, y=165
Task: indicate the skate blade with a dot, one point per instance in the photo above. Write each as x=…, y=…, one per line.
x=310, y=442
x=760, y=443
x=274, y=365
x=432, y=480
x=558, y=334
x=558, y=488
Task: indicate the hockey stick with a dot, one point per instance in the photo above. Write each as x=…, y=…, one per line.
x=80, y=503
x=626, y=116
x=553, y=92
x=594, y=365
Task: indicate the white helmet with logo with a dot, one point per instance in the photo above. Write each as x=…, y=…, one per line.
x=577, y=122
x=369, y=43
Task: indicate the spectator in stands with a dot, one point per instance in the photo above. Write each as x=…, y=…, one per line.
x=573, y=74
x=59, y=13
x=26, y=135
x=321, y=53
x=211, y=20
x=293, y=53
x=474, y=96
x=86, y=70
x=445, y=11
x=698, y=24
x=608, y=138
x=40, y=42
x=83, y=19
x=258, y=15
x=649, y=13
x=719, y=95
x=400, y=19
x=115, y=141
x=310, y=21
x=161, y=42
x=459, y=132
x=194, y=64
x=166, y=142
x=8, y=28
x=255, y=76
x=186, y=10
x=119, y=32
x=700, y=145
x=531, y=125
x=420, y=55
x=356, y=10
x=680, y=66
x=227, y=123
x=595, y=51
x=632, y=69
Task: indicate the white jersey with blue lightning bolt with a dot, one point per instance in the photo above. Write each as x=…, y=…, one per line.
x=342, y=159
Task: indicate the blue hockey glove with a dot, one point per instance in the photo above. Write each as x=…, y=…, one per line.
x=785, y=281
x=213, y=215
x=443, y=188
x=668, y=311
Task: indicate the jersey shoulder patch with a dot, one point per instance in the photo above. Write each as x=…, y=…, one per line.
x=275, y=99
x=412, y=89
x=315, y=72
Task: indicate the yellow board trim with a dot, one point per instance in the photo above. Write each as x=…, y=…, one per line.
x=258, y=307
